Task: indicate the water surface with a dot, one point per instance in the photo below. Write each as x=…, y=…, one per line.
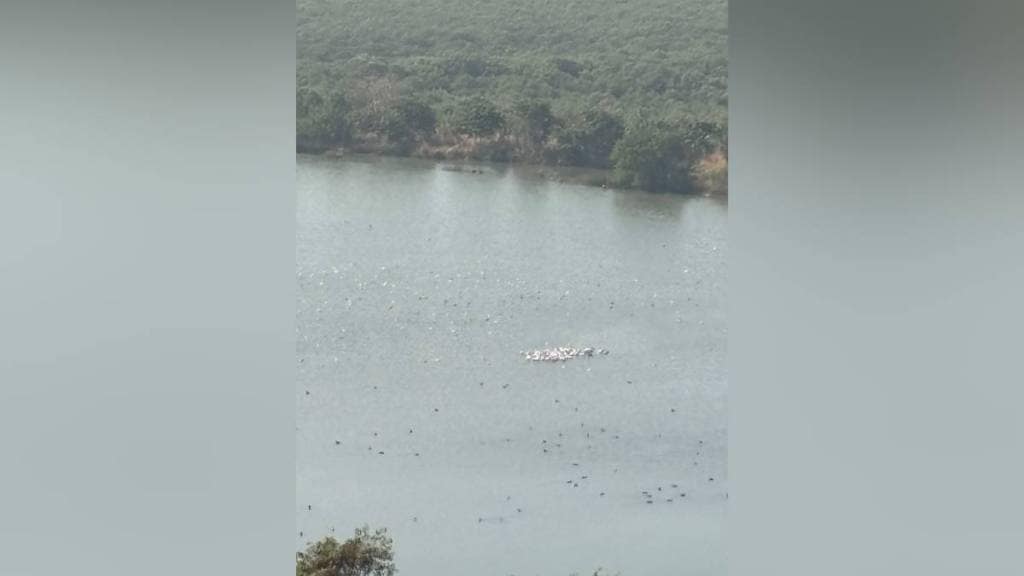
x=418, y=287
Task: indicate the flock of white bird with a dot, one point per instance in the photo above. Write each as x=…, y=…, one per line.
x=561, y=353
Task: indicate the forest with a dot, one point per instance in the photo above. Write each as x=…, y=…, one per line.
x=638, y=87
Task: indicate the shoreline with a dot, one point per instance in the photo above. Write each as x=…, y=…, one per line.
x=579, y=175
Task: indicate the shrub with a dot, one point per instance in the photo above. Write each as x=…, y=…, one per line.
x=365, y=554
x=587, y=140
x=653, y=156
x=320, y=121
x=477, y=116
x=409, y=119
x=711, y=174
x=533, y=121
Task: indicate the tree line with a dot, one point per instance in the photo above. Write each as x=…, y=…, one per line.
x=637, y=86
x=642, y=149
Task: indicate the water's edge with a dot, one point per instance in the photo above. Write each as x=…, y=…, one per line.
x=579, y=175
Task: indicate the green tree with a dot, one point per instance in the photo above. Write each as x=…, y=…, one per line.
x=588, y=139
x=654, y=156
x=705, y=137
x=320, y=121
x=533, y=123
x=409, y=119
x=470, y=59
x=365, y=554
x=477, y=116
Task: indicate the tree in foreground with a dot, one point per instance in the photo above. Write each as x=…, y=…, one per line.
x=364, y=554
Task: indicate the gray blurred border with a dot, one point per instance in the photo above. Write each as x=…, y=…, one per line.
x=146, y=265
x=146, y=288
x=875, y=283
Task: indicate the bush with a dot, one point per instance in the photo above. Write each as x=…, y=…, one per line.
x=654, y=156
x=587, y=140
x=576, y=70
x=320, y=121
x=711, y=174
x=365, y=554
x=533, y=122
x=409, y=119
x=477, y=116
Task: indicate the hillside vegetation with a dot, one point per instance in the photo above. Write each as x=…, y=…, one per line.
x=638, y=86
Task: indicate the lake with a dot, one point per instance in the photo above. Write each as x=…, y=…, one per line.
x=418, y=288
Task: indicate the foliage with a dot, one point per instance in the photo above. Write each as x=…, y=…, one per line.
x=532, y=123
x=409, y=120
x=530, y=80
x=476, y=116
x=668, y=156
x=711, y=174
x=587, y=139
x=653, y=156
x=365, y=554
x=321, y=120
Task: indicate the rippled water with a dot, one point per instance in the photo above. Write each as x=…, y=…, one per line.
x=418, y=288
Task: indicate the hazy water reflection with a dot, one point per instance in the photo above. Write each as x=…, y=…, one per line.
x=417, y=289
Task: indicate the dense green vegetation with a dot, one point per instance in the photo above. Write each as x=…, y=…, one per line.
x=634, y=85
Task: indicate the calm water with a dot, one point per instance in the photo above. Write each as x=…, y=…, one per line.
x=417, y=289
